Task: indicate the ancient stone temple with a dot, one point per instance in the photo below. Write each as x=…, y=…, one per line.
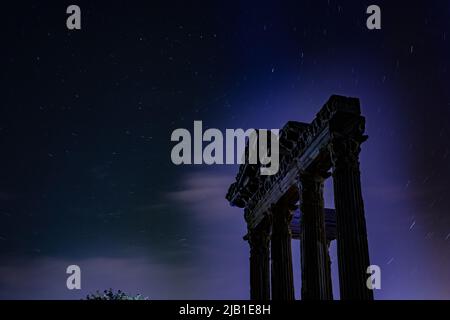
x=329, y=146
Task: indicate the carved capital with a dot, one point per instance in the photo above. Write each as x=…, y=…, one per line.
x=310, y=185
x=259, y=237
x=344, y=151
x=347, y=134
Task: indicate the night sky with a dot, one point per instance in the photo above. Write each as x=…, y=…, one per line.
x=86, y=118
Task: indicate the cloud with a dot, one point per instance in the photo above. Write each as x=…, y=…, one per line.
x=204, y=193
x=202, y=186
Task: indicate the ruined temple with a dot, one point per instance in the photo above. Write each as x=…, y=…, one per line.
x=309, y=153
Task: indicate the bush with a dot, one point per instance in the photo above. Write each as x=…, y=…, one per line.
x=111, y=295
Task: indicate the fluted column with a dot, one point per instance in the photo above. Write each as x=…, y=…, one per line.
x=315, y=261
x=281, y=254
x=259, y=239
x=352, y=246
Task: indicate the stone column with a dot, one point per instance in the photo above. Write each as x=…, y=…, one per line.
x=315, y=261
x=281, y=254
x=352, y=246
x=259, y=239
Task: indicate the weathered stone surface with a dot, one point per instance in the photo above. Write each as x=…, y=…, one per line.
x=307, y=152
x=315, y=261
x=352, y=246
x=301, y=144
x=281, y=254
x=259, y=239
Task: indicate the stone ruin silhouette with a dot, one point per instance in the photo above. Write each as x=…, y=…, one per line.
x=308, y=152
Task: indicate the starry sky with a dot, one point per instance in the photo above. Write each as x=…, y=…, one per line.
x=86, y=118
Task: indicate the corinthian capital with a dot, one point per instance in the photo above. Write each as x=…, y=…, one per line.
x=259, y=237
x=347, y=134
